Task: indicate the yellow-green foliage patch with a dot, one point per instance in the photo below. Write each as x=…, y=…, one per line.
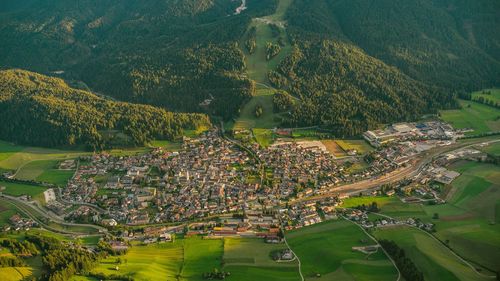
x=15, y=273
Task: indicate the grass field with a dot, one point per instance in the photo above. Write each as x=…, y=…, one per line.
x=493, y=96
x=430, y=256
x=257, y=64
x=334, y=148
x=250, y=259
x=361, y=146
x=481, y=118
x=248, y=120
x=493, y=149
x=326, y=248
x=17, y=189
x=264, y=137
x=15, y=273
x=44, y=171
x=183, y=259
x=470, y=220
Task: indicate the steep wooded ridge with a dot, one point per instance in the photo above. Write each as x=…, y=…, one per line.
x=43, y=111
x=362, y=62
x=355, y=63
x=170, y=53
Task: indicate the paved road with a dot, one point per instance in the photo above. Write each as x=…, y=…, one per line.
x=35, y=212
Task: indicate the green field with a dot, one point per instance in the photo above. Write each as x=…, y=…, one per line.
x=257, y=65
x=44, y=171
x=481, y=118
x=17, y=189
x=264, y=137
x=470, y=220
x=247, y=119
x=326, y=248
x=493, y=149
x=250, y=259
x=494, y=95
x=183, y=259
x=391, y=206
x=430, y=256
x=361, y=146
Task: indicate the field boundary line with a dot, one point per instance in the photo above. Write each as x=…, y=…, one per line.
x=298, y=259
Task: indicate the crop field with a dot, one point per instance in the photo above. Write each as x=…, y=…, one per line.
x=481, y=118
x=326, y=249
x=247, y=119
x=361, y=146
x=435, y=260
x=250, y=259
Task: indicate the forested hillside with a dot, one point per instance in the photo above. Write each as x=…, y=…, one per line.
x=359, y=63
x=170, y=53
x=43, y=111
x=449, y=43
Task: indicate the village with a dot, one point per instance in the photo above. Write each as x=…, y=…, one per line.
x=215, y=187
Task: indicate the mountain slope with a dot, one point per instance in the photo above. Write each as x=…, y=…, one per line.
x=43, y=111
x=452, y=43
x=170, y=53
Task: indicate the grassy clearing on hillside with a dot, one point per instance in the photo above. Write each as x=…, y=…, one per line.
x=326, y=248
x=8, y=149
x=481, y=118
x=247, y=119
x=429, y=255
x=250, y=259
x=493, y=96
x=30, y=154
